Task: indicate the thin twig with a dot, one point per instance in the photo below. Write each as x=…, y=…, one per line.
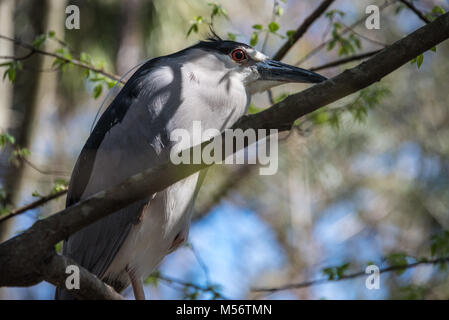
x=170, y=280
x=43, y=171
x=382, y=44
x=412, y=7
x=201, y=263
x=32, y=205
x=18, y=58
x=344, y=31
x=345, y=60
x=349, y=276
x=55, y=55
x=302, y=29
x=273, y=17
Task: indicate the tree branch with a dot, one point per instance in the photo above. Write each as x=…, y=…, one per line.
x=23, y=257
x=90, y=287
x=76, y=62
x=412, y=7
x=344, y=31
x=302, y=29
x=185, y=284
x=345, y=60
x=32, y=205
x=349, y=276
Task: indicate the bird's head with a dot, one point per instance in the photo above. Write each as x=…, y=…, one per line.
x=257, y=71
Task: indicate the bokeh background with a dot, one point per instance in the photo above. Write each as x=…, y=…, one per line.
x=365, y=179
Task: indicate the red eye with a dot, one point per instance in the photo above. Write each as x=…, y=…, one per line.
x=238, y=55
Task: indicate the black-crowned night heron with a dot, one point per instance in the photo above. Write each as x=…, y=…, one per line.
x=211, y=82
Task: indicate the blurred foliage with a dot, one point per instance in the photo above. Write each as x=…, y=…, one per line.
x=335, y=273
x=440, y=245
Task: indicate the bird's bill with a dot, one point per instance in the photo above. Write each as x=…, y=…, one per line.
x=271, y=70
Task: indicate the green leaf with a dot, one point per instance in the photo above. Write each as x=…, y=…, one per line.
x=397, y=260
x=420, y=60
x=439, y=246
x=280, y=97
x=337, y=26
x=97, y=90
x=257, y=27
x=6, y=138
x=334, y=120
x=355, y=40
x=153, y=279
x=331, y=14
x=59, y=62
x=438, y=10
x=36, y=194
x=19, y=153
x=217, y=10
x=85, y=58
x=252, y=109
x=320, y=116
x=273, y=27
x=60, y=185
x=335, y=273
x=58, y=247
x=290, y=33
x=12, y=74
x=193, y=28
x=11, y=71
x=232, y=36
x=110, y=83
x=254, y=39
x=39, y=41
x=279, y=11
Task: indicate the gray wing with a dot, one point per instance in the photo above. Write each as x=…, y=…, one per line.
x=129, y=137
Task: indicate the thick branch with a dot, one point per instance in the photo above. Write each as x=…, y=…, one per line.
x=90, y=287
x=36, y=244
x=302, y=29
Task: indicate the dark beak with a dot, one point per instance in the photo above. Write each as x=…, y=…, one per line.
x=272, y=70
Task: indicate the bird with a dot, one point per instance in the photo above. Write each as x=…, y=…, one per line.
x=211, y=81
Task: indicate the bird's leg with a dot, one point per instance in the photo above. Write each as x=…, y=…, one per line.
x=137, y=285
